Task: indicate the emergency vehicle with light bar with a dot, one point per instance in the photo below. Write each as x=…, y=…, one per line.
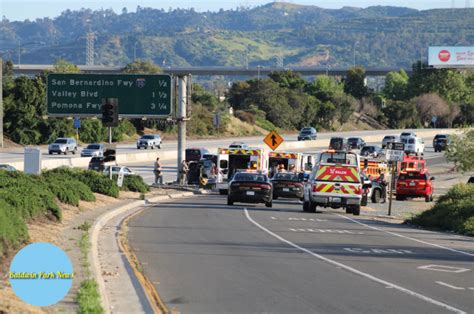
x=334, y=182
x=230, y=161
x=286, y=159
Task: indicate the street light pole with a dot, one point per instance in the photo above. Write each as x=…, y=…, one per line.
x=135, y=51
x=354, y=51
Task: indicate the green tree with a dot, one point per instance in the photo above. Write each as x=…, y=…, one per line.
x=62, y=66
x=461, y=150
x=400, y=114
x=204, y=97
x=396, y=85
x=324, y=88
x=354, y=83
x=288, y=79
x=142, y=67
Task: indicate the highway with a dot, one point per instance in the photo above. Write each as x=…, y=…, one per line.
x=206, y=257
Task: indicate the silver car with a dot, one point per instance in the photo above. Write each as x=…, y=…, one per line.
x=63, y=146
x=7, y=167
x=93, y=150
x=389, y=139
x=149, y=140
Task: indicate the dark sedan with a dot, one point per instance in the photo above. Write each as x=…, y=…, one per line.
x=248, y=187
x=355, y=142
x=288, y=184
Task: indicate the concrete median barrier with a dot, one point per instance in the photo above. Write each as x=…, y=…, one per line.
x=150, y=156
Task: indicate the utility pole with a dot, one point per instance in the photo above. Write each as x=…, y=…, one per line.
x=135, y=51
x=1, y=103
x=181, y=117
x=90, y=48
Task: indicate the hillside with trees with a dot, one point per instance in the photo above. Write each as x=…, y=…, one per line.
x=302, y=35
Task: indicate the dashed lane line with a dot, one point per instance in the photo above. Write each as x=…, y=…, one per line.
x=406, y=237
x=355, y=271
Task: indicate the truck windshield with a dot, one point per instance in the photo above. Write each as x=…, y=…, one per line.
x=338, y=158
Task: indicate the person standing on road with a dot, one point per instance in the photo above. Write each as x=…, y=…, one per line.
x=183, y=172
x=383, y=185
x=157, y=172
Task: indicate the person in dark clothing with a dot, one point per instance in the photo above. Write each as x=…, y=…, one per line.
x=383, y=185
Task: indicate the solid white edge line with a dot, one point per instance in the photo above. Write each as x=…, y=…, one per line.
x=406, y=237
x=355, y=271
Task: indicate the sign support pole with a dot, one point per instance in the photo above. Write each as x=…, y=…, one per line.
x=181, y=116
x=1, y=103
x=392, y=183
x=110, y=142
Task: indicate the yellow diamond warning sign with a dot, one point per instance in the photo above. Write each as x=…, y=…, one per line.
x=273, y=140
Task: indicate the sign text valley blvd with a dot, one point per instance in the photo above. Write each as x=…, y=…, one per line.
x=82, y=94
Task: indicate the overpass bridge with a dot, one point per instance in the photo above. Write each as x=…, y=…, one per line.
x=32, y=69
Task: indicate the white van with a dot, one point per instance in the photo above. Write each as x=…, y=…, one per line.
x=414, y=144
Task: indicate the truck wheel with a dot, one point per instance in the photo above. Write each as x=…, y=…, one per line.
x=311, y=207
x=376, y=196
x=348, y=210
x=269, y=204
x=305, y=207
x=364, y=200
x=399, y=198
x=275, y=197
x=222, y=192
x=356, y=210
x=230, y=202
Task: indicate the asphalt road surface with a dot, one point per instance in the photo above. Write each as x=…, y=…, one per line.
x=205, y=256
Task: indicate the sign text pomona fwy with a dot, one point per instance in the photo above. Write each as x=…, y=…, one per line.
x=81, y=94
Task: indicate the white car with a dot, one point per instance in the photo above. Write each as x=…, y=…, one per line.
x=149, y=140
x=414, y=145
x=390, y=138
x=63, y=146
x=93, y=150
x=116, y=169
x=407, y=134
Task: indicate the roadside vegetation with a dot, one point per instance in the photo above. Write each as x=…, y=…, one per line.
x=25, y=198
x=88, y=296
x=283, y=100
x=453, y=211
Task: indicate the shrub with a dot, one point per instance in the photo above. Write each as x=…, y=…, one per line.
x=13, y=230
x=245, y=116
x=453, y=211
x=68, y=189
x=96, y=181
x=88, y=297
x=135, y=183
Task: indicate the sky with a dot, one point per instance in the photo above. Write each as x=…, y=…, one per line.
x=19, y=10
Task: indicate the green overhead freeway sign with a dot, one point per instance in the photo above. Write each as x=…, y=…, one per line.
x=82, y=94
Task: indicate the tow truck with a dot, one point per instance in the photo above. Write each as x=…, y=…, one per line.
x=231, y=160
x=335, y=182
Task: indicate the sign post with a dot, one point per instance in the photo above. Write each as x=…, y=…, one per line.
x=394, y=154
x=273, y=140
x=77, y=126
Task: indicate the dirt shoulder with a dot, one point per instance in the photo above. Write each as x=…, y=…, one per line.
x=65, y=235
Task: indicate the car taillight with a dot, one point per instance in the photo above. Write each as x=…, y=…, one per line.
x=422, y=183
x=299, y=185
x=265, y=186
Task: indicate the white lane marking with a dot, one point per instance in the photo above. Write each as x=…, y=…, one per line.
x=406, y=237
x=323, y=230
x=443, y=268
x=299, y=219
x=355, y=271
x=377, y=251
x=449, y=286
